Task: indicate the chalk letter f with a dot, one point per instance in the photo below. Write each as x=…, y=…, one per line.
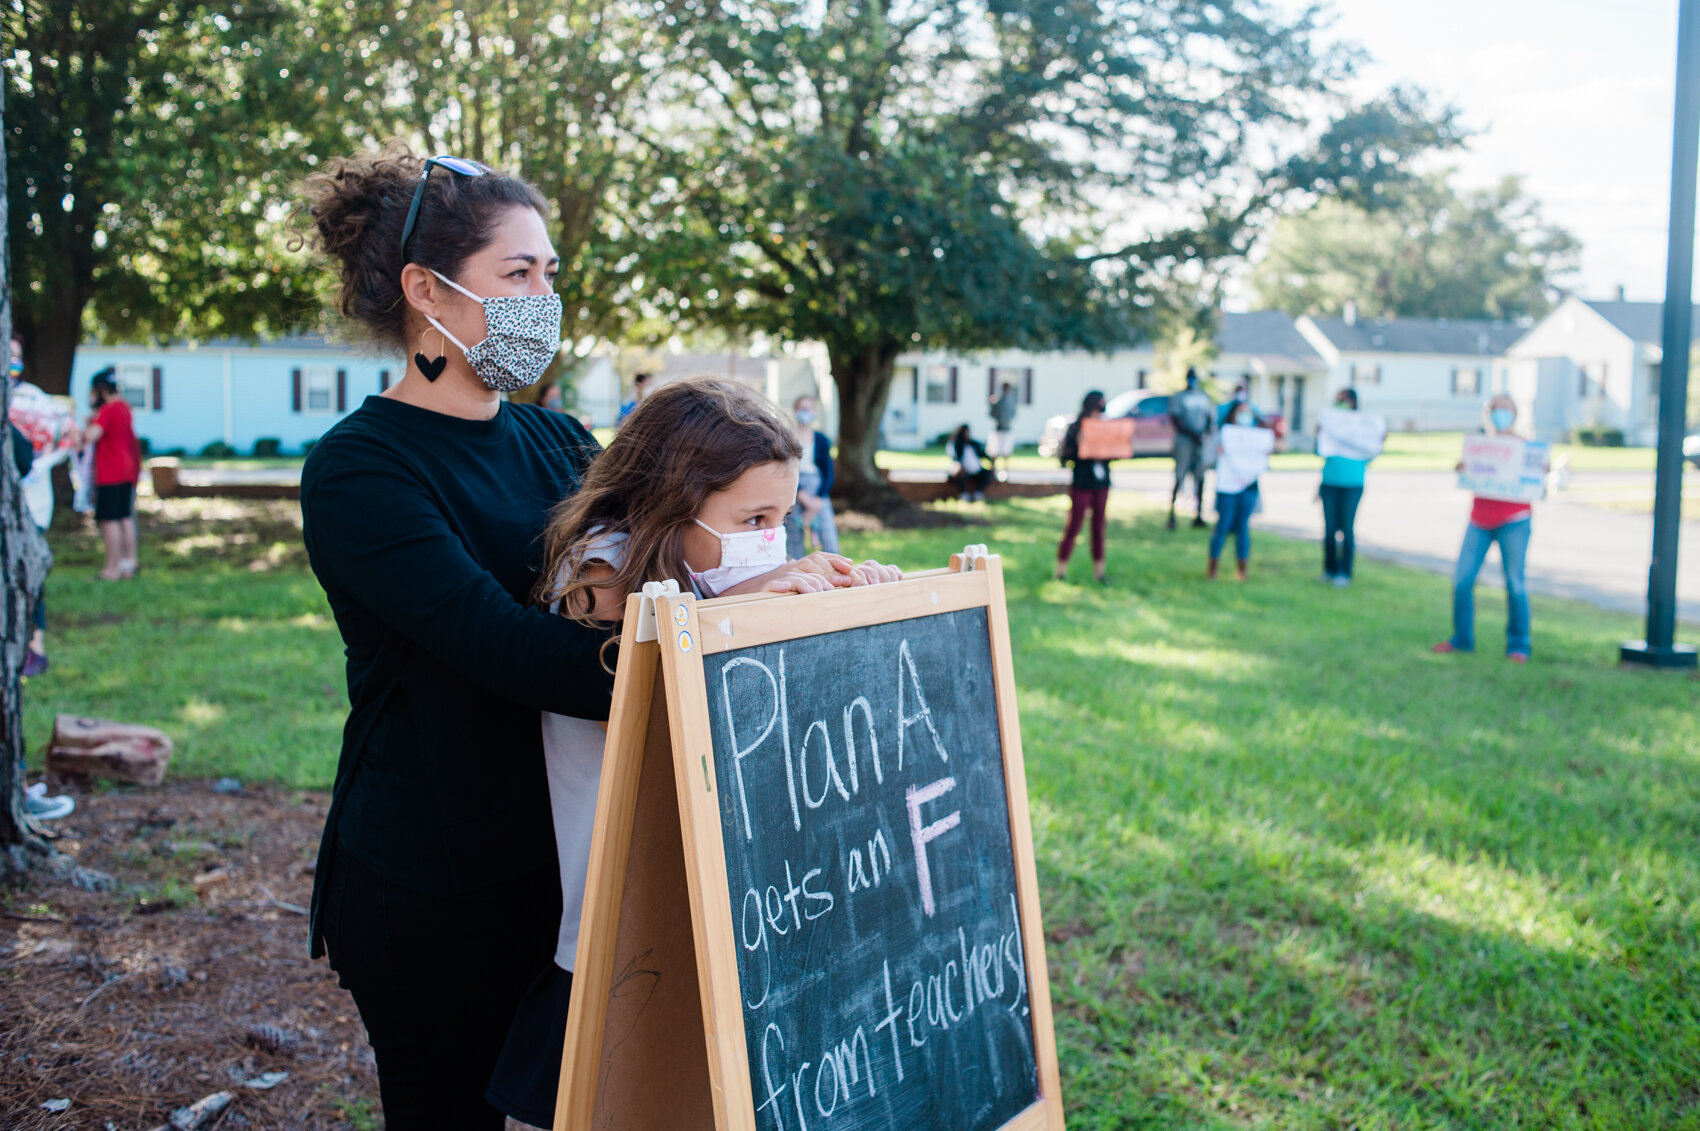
x=915, y=798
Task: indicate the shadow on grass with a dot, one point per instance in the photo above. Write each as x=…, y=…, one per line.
x=1300, y=872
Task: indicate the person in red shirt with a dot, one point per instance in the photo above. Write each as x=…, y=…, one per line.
x=117, y=467
x=1507, y=523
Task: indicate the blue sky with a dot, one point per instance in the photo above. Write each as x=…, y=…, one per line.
x=1573, y=95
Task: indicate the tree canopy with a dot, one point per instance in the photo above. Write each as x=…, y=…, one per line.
x=152, y=145
x=1427, y=250
x=954, y=173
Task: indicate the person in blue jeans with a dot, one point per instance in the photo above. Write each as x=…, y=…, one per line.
x=1507, y=523
x=1242, y=456
x=1342, y=489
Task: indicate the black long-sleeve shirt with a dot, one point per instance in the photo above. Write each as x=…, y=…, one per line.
x=1089, y=474
x=424, y=530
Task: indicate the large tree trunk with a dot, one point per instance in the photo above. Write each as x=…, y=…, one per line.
x=51, y=337
x=24, y=559
x=862, y=372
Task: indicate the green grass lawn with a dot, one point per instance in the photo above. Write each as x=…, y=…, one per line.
x=1297, y=871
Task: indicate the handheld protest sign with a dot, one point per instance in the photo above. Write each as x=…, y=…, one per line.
x=1102, y=438
x=1505, y=467
x=858, y=865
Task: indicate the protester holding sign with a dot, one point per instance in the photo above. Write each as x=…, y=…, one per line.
x=1089, y=492
x=436, y=893
x=695, y=488
x=1242, y=456
x=1501, y=513
x=1346, y=440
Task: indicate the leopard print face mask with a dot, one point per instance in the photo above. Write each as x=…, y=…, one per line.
x=522, y=336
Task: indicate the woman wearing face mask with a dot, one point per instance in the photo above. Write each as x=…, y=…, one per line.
x=813, y=512
x=1088, y=492
x=1346, y=458
x=1507, y=523
x=436, y=893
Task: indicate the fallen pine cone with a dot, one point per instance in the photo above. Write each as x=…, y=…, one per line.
x=269, y=1038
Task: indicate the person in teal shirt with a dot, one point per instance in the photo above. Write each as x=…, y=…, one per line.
x=1342, y=489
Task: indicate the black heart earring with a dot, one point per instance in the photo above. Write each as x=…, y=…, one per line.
x=432, y=369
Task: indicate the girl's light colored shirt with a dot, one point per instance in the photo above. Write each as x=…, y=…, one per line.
x=572, y=757
x=1243, y=456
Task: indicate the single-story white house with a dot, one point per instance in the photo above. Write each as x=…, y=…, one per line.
x=1422, y=374
x=933, y=393
x=189, y=395
x=186, y=396
x=1592, y=365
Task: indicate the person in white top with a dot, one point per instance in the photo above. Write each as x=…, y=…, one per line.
x=694, y=487
x=1242, y=456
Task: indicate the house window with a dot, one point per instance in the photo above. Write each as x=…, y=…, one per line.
x=1022, y=379
x=1593, y=381
x=135, y=383
x=941, y=384
x=1466, y=381
x=1141, y=380
x=320, y=381
x=1364, y=374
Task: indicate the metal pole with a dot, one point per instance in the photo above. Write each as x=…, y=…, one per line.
x=1660, y=648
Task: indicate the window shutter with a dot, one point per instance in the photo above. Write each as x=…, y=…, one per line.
x=342, y=390
x=383, y=380
x=158, y=388
x=295, y=377
x=953, y=384
x=1027, y=386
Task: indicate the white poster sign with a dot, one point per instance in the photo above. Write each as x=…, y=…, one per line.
x=1355, y=435
x=1504, y=467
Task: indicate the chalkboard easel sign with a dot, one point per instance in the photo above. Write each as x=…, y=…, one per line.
x=811, y=902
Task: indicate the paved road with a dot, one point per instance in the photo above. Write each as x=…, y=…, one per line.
x=1417, y=518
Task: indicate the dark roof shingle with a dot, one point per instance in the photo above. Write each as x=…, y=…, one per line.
x=1641, y=321
x=1421, y=335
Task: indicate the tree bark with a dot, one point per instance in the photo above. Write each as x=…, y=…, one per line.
x=24, y=560
x=51, y=340
x=862, y=372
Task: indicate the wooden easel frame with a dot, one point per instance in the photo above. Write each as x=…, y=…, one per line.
x=688, y=632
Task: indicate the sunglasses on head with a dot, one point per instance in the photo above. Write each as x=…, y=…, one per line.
x=454, y=165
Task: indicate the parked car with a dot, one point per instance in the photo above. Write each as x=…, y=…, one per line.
x=1691, y=449
x=1153, y=431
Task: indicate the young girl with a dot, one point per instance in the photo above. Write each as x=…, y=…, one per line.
x=1242, y=456
x=694, y=487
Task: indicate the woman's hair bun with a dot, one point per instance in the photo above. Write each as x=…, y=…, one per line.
x=354, y=212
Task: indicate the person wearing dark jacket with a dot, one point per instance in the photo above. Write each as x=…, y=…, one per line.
x=973, y=467
x=1193, y=415
x=437, y=894
x=1089, y=491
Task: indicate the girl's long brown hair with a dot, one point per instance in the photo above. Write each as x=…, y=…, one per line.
x=682, y=443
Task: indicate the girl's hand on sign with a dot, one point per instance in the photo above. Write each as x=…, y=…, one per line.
x=871, y=572
x=794, y=581
x=836, y=568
